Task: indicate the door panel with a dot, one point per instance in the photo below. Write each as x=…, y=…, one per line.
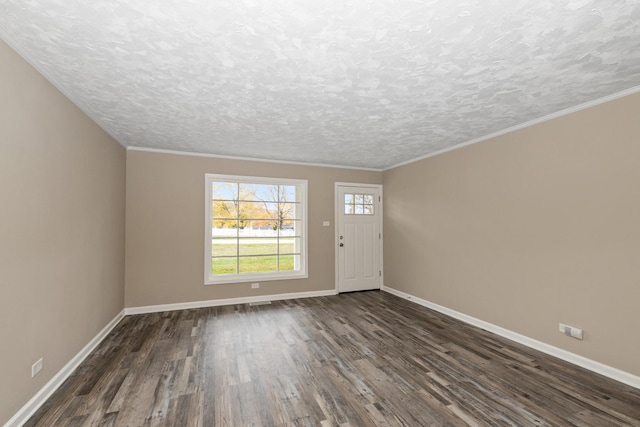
x=350, y=261
x=359, y=240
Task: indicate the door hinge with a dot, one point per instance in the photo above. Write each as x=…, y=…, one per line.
x=380, y=273
x=379, y=235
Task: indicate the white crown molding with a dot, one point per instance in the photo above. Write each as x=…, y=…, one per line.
x=592, y=365
x=226, y=301
x=552, y=116
x=248, y=159
x=27, y=411
x=6, y=37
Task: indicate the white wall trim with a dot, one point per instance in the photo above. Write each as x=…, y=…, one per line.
x=592, y=365
x=226, y=301
x=23, y=415
x=552, y=116
x=248, y=159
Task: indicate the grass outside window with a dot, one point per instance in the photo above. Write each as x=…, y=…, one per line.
x=254, y=257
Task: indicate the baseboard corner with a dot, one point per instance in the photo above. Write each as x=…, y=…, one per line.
x=30, y=408
x=592, y=365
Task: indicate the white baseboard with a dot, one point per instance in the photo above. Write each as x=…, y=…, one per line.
x=23, y=415
x=45, y=392
x=592, y=365
x=34, y=404
x=226, y=301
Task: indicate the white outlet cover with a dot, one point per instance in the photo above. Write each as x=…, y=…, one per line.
x=570, y=331
x=36, y=367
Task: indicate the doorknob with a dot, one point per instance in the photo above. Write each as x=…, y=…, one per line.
x=341, y=244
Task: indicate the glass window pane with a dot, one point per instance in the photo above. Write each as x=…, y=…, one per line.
x=288, y=210
x=246, y=191
x=290, y=245
x=368, y=199
x=348, y=199
x=252, y=210
x=368, y=210
x=224, y=191
x=223, y=209
x=258, y=246
x=224, y=247
x=258, y=264
x=359, y=210
x=255, y=227
x=287, y=193
x=223, y=228
x=269, y=210
x=289, y=228
x=258, y=228
x=259, y=192
x=359, y=199
x=348, y=209
x=224, y=265
x=289, y=262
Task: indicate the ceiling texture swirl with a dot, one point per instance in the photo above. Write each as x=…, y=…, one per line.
x=357, y=83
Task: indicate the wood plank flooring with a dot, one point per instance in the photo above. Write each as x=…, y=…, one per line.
x=361, y=359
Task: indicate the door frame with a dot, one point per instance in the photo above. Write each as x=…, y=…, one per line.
x=336, y=205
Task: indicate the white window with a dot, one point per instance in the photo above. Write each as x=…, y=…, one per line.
x=255, y=229
x=359, y=204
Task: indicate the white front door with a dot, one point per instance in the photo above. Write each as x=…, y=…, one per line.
x=359, y=214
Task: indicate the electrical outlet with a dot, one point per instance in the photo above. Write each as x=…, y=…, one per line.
x=570, y=331
x=36, y=367
x=255, y=285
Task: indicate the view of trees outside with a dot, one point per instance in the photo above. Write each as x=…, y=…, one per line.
x=253, y=205
x=359, y=204
x=254, y=228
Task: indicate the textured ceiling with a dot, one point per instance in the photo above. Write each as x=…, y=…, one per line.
x=366, y=83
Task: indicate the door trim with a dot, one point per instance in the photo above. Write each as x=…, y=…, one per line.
x=336, y=205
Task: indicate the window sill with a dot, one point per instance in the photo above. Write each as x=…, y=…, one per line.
x=247, y=278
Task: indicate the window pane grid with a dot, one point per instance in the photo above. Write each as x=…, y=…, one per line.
x=259, y=226
x=359, y=204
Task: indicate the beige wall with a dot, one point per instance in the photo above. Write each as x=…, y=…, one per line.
x=530, y=229
x=165, y=226
x=524, y=231
x=62, y=194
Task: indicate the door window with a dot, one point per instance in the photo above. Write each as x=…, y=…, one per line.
x=359, y=204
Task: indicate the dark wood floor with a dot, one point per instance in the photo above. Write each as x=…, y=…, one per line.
x=362, y=359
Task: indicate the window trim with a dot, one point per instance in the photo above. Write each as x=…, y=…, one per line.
x=302, y=273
